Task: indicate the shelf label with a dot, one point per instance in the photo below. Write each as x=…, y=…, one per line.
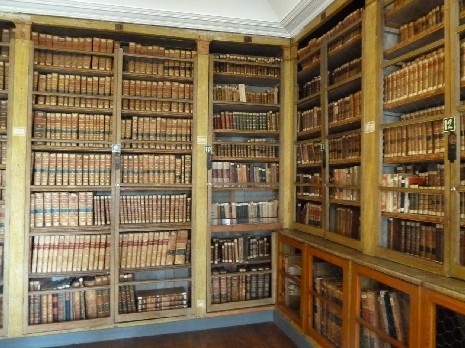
x=201, y=140
x=369, y=127
x=449, y=124
x=19, y=131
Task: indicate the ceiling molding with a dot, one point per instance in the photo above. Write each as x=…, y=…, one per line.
x=303, y=13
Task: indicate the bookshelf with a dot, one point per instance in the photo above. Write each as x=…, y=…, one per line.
x=328, y=297
x=7, y=32
x=291, y=282
x=72, y=125
x=413, y=151
x=244, y=177
x=328, y=132
x=155, y=181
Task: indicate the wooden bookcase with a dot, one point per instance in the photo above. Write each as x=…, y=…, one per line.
x=328, y=132
x=7, y=33
x=244, y=177
x=292, y=279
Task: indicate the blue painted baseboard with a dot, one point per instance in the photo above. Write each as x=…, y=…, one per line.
x=59, y=339
x=290, y=331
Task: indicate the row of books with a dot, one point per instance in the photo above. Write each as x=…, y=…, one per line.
x=241, y=287
x=127, y=299
x=60, y=209
x=344, y=194
x=346, y=39
x=424, y=240
x=258, y=148
x=159, y=208
x=462, y=205
x=2, y=213
x=2, y=254
x=238, y=120
x=150, y=105
x=432, y=179
x=312, y=60
x=152, y=249
x=327, y=314
x=462, y=60
x=419, y=76
x=70, y=126
x=247, y=58
x=61, y=283
x=230, y=172
x=158, y=89
x=414, y=139
x=347, y=146
x=345, y=71
x=136, y=48
x=305, y=191
x=156, y=169
x=345, y=108
x=5, y=36
x=58, y=100
x=334, y=31
x=429, y=112
x=85, y=44
x=73, y=60
x=462, y=247
x=309, y=178
x=309, y=119
x=4, y=75
x=161, y=299
x=387, y=310
x=349, y=176
x=309, y=213
x=158, y=67
x=309, y=153
x=423, y=23
x=160, y=130
x=69, y=306
x=240, y=93
x=70, y=169
x=412, y=203
x=3, y=114
x=69, y=253
x=3, y=146
x=239, y=249
x=242, y=68
x=310, y=87
x=73, y=84
x=232, y=213
x=347, y=222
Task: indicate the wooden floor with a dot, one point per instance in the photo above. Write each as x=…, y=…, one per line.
x=250, y=336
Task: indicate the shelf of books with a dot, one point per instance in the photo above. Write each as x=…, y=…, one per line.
x=155, y=181
x=244, y=176
x=385, y=310
x=328, y=141
x=291, y=282
x=72, y=124
x=412, y=175
x=327, y=298
x=6, y=35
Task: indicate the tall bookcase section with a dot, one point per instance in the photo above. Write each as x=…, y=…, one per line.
x=385, y=309
x=291, y=282
x=328, y=142
x=71, y=127
x=155, y=179
x=412, y=176
x=244, y=179
x=328, y=298
x=6, y=34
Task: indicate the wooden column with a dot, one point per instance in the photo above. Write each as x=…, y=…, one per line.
x=200, y=245
x=16, y=236
x=287, y=128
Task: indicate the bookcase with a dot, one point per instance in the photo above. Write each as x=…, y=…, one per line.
x=292, y=279
x=110, y=179
x=328, y=131
x=244, y=177
x=7, y=32
x=413, y=162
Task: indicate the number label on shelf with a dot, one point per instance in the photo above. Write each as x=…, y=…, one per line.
x=449, y=124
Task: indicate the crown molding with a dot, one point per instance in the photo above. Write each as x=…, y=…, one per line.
x=302, y=14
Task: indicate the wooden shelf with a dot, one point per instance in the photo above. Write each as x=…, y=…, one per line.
x=251, y=186
x=155, y=77
x=245, y=227
x=349, y=50
x=255, y=80
x=414, y=159
x=247, y=133
x=310, y=133
x=352, y=84
x=219, y=105
x=415, y=217
x=77, y=71
x=160, y=226
x=409, y=11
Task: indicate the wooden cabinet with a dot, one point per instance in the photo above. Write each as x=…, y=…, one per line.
x=291, y=282
x=244, y=178
x=328, y=135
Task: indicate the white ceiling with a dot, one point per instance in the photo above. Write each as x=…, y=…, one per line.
x=280, y=18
